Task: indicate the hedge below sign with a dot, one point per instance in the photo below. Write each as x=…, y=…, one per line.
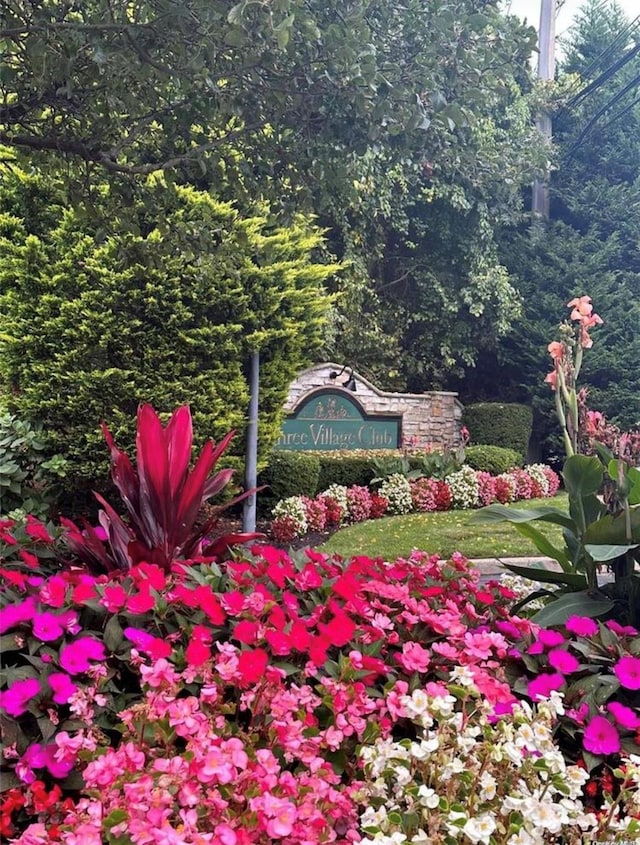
x=330, y=419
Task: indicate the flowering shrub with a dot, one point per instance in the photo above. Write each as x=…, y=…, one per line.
x=338, y=492
x=399, y=495
x=294, y=510
x=397, y=491
x=272, y=656
x=486, y=488
x=464, y=488
x=315, y=512
x=469, y=775
x=358, y=503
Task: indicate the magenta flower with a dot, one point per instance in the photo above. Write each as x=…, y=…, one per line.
x=582, y=626
x=627, y=670
x=544, y=685
x=550, y=638
x=47, y=627
x=562, y=661
x=14, y=614
x=16, y=699
x=75, y=657
x=62, y=686
x=600, y=737
x=624, y=716
x=622, y=630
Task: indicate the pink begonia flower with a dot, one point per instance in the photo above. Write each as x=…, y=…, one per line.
x=414, y=658
x=160, y=674
x=624, y=716
x=225, y=835
x=600, y=737
x=627, y=670
x=15, y=700
x=550, y=638
x=47, y=627
x=544, y=685
x=62, y=686
x=563, y=661
x=75, y=656
x=582, y=626
x=35, y=834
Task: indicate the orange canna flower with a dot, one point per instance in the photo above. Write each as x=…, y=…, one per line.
x=552, y=379
x=582, y=307
x=556, y=350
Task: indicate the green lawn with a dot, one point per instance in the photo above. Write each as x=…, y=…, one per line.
x=442, y=534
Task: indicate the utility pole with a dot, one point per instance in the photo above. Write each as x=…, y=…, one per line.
x=546, y=72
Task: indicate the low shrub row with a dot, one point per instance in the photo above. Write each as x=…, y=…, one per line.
x=306, y=473
x=500, y=424
x=467, y=488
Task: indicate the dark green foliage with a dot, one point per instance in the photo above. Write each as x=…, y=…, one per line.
x=27, y=480
x=290, y=474
x=93, y=325
x=493, y=459
x=343, y=468
x=499, y=424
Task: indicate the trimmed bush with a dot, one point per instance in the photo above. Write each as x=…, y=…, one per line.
x=493, y=459
x=346, y=469
x=500, y=424
x=291, y=474
x=95, y=324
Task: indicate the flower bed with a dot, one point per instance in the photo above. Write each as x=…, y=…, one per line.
x=467, y=488
x=310, y=700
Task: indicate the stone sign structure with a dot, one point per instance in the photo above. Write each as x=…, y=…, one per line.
x=323, y=414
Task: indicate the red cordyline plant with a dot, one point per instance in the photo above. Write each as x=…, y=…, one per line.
x=163, y=498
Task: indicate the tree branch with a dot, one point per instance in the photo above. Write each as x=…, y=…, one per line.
x=106, y=160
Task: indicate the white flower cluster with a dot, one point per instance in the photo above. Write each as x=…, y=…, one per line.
x=471, y=777
x=464, y=488
x=522, y=587
x=537, y=472
x=294, y=508
x=338, y=492
x=397, y=491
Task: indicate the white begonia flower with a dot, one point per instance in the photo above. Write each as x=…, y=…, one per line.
x=423, y=749
x=442, y=706
x=374, y=818
x=462, y=675
x=416, y=704
x=428, y=797
x=479, y=829
x=575, y=778
x=453, y=767
x=544, y=814
x=402, y=775
x=488, y=787
x=421, y=838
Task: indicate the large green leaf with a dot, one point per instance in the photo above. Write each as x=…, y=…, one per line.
x=582, y=475
x=633, y=477
x=611, y=530
x=543, y=545
x=501, y=513
x=549, y=576
x=602, y=553
x=573, y=604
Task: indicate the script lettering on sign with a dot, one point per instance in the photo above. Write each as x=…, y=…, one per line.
x=330, y=420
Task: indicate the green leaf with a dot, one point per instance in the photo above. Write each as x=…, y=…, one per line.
x=582, y=475
x=543, y=545
x=549, y=576
x=602, y=553
x=113, y=634
x=501, y=513
x=572, y=604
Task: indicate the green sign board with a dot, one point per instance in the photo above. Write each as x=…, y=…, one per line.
x=331, y=419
